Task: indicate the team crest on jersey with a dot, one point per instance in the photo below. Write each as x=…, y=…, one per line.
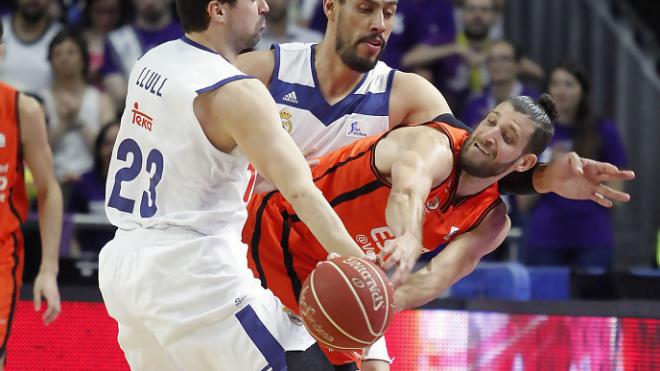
x=286, y=116
x=141, y=118
x=355, y=130
x=3, y=141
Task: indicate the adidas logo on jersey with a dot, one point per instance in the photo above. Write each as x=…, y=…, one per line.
x=291, y=98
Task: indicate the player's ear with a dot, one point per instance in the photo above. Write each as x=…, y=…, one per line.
x=216, y=11
x=330, y=9
x=525, y=162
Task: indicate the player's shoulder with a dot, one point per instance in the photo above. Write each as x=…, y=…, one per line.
x=28, y=105
x=259, y=64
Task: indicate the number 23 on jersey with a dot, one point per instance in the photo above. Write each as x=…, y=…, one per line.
x=153, y=166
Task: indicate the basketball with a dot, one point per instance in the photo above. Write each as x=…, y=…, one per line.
x=347, y=303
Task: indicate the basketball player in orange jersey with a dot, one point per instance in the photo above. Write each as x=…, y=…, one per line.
x=345, y=92
x=334, y=92
x=23, y=138
x=425, y=185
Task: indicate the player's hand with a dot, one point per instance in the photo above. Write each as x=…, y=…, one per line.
x=577, y=178
x=45, y=285
x=403, y=252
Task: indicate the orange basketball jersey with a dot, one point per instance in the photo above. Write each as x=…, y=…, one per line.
x=13, y=198
x=282, y=251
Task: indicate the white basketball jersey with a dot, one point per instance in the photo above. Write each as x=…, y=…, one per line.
x=316, y=126
x=164, y=171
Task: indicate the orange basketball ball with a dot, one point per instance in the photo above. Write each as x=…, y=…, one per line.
x=347, y=303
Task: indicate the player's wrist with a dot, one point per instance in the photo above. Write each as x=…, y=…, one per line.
x=542, y=179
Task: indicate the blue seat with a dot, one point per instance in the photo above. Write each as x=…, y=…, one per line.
x=550, y=283
x=508, y=281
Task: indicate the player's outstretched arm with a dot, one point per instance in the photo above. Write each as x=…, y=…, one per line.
x=414, y=100
x=457, y=260
x=39, y=159
x=577, y=178
x=248, y=118
x=413, y=157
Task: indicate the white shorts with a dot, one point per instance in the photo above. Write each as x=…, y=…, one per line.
x=183, y=303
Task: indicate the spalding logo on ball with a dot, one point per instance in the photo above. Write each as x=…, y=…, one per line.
x=346, y=303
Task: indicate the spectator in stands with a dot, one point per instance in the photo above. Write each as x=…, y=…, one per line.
x=280, y=28
x=154, y=24
x=568, y=232
x=503, y=66
x=27, y=34
x=99, y=18
x=497, y=31
x=457, y=65
x=88, y=193
x=75, y=109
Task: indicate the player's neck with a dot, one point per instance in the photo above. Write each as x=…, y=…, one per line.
x=336, y=80
x=215, y=44
x=469, y=185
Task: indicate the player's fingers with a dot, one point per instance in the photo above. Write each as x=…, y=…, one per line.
x=36, y=294
x=612, y=194
x=332, y=255
x=575, y=163
x=371, y=256
x=388, y=247
x=49, y=316
x=613, y=176
x=602, y=201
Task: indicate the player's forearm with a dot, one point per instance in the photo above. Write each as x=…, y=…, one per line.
x=322, y=221
x=404, y=213
x=431, y=281
x=50, y=225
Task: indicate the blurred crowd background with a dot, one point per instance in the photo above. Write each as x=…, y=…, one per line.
x=599, y=59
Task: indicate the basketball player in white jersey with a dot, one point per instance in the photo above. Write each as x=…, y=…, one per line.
x=332, y=93
x=175, y=276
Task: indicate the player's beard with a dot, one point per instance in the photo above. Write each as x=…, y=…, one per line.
x=248, y=41
x=33, y=13
x=487, y=168
x=347, y=51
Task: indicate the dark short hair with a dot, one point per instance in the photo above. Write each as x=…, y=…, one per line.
x=193, y=16
x=542, y=112
x=67, y=34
